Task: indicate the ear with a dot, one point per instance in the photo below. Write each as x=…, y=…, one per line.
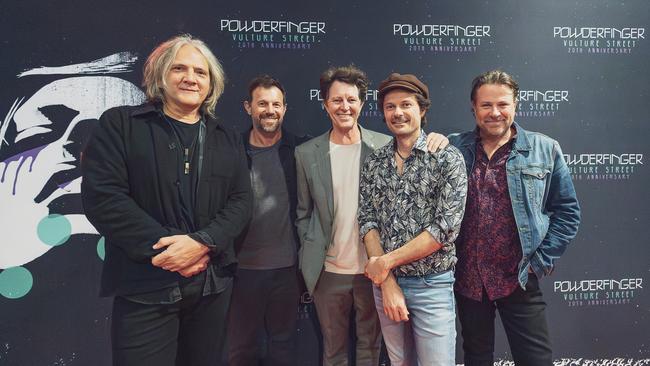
x=247, y=107
x=471, y=108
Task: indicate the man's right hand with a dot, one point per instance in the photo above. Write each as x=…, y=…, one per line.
x=181, y=251
x=393, y=300
x=436, y=142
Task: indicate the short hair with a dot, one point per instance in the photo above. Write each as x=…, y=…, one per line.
x=349, y=74
x=160, y=61
x=494, y=77
x=423, y=102
x=265, y=81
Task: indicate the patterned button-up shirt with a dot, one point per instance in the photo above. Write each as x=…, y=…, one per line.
x=489, y=250
x=429, y=195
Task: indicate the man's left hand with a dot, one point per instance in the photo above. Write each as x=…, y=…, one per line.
x=436, y=142
x=195, y=268
x=377, y=270
x=181, y=251
x=393, y=300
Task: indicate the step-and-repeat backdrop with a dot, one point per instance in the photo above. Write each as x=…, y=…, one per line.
x=582, y=67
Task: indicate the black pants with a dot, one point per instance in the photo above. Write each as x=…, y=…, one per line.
x=190, y=332
x=264, y=307
x=524, y=320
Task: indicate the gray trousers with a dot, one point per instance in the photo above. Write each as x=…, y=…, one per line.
x=335, y=296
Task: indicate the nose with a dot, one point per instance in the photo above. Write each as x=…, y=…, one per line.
x=346, y=105
x=495, y=112
x=398, y=112
x=190, y=77
x=270, y=109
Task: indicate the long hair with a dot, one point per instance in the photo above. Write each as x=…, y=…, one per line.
x=159, y=63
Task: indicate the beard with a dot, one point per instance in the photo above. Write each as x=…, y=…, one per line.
x=267, y=127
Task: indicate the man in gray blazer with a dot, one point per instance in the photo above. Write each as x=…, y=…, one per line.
x=332, y=257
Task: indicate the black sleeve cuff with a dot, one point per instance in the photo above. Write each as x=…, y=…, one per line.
x=203, y=238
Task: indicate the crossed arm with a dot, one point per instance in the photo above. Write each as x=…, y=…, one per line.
x=379, y=268
x=448, y=213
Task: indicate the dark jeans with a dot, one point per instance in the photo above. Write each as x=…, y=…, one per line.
x=524, y=320
x=264, y=307
x=190, y=332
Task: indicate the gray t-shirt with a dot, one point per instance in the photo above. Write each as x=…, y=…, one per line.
x=269, y=243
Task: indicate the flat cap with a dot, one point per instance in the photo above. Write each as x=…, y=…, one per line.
x=403, y=81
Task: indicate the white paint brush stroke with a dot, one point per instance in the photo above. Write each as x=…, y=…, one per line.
x=116, y=63
x=89, y=95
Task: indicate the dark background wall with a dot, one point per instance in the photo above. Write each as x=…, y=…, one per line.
x=589, y=90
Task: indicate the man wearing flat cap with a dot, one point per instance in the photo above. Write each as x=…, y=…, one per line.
x=411, y=204
x=332, y=259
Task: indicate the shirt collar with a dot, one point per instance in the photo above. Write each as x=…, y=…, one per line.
x=420, y=143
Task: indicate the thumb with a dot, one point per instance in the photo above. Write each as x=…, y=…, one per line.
x=164, y=242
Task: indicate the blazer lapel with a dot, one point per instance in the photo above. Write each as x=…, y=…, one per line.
x=367, y=146
x=325, y=169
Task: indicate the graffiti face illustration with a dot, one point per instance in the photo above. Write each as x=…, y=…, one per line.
x=29, y=227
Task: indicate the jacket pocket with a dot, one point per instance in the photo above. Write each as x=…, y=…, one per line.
x=534, y=181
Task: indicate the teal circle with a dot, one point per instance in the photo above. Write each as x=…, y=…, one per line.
x=15, y=282
x=101, y=248
x=54, y=229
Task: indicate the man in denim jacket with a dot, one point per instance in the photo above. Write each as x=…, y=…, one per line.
x=520, y=215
